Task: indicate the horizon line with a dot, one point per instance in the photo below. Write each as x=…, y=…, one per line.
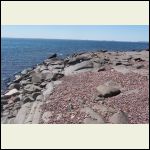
x=73, y=39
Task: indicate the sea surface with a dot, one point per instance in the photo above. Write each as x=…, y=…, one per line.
x=18, y=54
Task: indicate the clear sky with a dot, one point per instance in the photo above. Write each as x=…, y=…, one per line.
x=83, y=32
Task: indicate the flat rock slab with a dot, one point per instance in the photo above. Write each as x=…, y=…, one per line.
x=21, y=116
x=31, y=114
x=37, y=114
x=77, y=67
x=122, y=70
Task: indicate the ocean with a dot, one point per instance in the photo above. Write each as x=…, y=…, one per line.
x=18, y=54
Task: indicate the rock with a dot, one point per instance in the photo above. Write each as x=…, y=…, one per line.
x=25, y=82
x=99, y=99
x=24, y=72
x=21, y=116
x=119, y=118
x=18, y=78
x=93, y=114
x=28, y=99
x=138, y=59
x=57, y=62
x=36, y=78
x=101, y=69
x=78, y=59
x=4, y=101
x=85, y=66
x=14, y=85
x=138, y=66
x=117, y=63
x=57, y=82
x=40, y=98
x=48, y=91
x=57, y=76
x=37, y=114
x=4, y=120
x=30, y=88
x=52, y=56
x=49, y=85
x=17, y=106
x=12, y=92
x=43, y=84
x=31, y=114
x=147, y=49
x=122, y=70
x=34, y=95
x=43, y=67
x=46, y=116
x=16, y=99
x=107, y=91
x=46, y=75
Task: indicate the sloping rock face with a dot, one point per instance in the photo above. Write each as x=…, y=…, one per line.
x=89, y=88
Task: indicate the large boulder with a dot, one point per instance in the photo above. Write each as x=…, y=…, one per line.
x=36, y=78
x=30, y=88
x=107, y=91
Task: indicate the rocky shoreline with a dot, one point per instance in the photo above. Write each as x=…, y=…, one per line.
x=91, y=88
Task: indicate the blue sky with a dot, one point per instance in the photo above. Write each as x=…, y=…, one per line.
x=83, y=32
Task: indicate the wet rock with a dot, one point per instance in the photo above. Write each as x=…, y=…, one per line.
x=107, y=91
x=119, y=118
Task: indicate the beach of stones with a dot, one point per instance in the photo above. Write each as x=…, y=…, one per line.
x=84, y=88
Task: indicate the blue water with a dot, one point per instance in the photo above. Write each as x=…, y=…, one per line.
x=18, y=54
